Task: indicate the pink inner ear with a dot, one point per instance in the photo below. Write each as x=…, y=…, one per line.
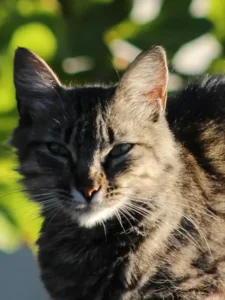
x=159, y=94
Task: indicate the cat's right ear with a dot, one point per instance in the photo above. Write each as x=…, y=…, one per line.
x=144, y=84
x=35, y=83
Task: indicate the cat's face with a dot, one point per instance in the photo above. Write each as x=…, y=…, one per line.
x=93, y=153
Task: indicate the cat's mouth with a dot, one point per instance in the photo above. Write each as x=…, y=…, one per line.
x=90, y=213
x=87, y=207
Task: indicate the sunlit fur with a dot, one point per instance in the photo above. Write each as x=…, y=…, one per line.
x=155, y=228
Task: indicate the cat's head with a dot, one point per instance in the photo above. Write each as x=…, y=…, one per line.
x=94, y=152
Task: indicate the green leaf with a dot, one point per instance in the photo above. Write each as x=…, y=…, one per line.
x=217, y=16
x=10, y=236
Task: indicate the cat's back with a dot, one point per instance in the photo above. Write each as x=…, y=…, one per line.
x=200, y=102
x=196, y=116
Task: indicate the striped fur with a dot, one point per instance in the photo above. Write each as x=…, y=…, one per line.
x=156, y=228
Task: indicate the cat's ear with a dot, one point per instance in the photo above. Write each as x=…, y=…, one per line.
x=35, y=83
x=146, y=79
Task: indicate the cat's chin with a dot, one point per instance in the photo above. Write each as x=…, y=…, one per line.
x=95, y=215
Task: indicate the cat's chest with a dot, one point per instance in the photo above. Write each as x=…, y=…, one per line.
x=91, y=269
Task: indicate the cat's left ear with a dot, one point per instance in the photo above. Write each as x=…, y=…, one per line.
x=36, y=84
x=146, y=80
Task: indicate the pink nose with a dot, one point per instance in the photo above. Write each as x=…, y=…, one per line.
x=89, y=191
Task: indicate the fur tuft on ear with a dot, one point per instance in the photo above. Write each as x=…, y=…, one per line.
x=146, y=79
x=34, y=81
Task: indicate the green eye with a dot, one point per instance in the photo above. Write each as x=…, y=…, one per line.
x=120, y=150
x=57, y=149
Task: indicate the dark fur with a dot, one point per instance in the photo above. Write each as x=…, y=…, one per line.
x=122, y=262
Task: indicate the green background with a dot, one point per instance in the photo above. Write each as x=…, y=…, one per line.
x=94, y=40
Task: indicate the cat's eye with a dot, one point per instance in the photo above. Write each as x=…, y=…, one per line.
x=58, y=149
x=120, y=150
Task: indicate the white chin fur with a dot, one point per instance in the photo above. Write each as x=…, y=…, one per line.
x=91, y=219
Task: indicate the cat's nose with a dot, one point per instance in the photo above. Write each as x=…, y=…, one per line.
x=89, y=191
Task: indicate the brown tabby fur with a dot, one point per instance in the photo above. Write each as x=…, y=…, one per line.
x=169, y=240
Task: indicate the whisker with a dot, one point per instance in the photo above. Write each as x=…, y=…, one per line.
x=145, y=213
x=120, y=221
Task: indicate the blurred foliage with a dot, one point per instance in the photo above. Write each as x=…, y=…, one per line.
x=84, y=40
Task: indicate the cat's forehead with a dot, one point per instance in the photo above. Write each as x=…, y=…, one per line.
x=88, y=99
x=88, y=111
x=99, y=117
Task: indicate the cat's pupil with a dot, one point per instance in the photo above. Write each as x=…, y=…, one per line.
x=120, y=150
x=57, y=149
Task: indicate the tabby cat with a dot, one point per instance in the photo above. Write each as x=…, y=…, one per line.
x=132, y=192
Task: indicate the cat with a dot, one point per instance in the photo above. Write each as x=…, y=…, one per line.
x=132, y=190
